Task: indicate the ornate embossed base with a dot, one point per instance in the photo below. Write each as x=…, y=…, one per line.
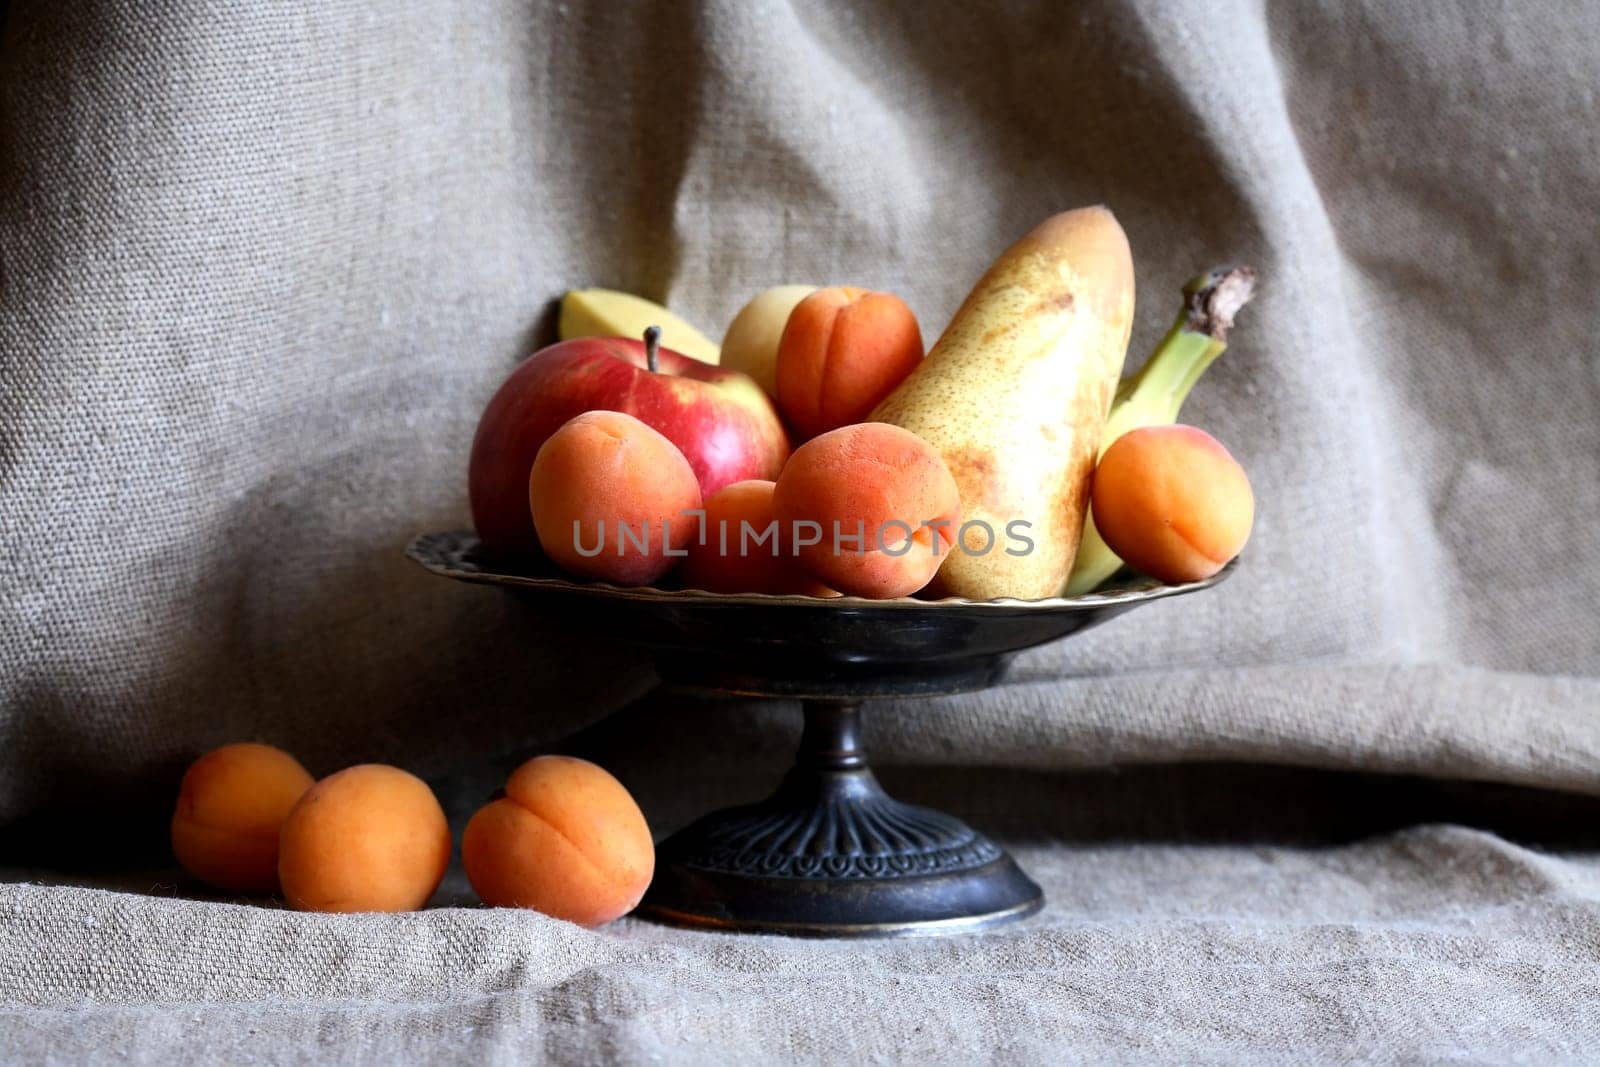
x=832, y=855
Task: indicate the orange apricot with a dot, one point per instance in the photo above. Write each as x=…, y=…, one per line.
x=843, y=350
x=230, y=805
x=566, y=839
x=879, y=508
x=608, y=495
x=369, y=838
x=1172, y=502
x=745, y=548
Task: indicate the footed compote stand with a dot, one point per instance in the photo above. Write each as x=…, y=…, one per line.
x=829, y=854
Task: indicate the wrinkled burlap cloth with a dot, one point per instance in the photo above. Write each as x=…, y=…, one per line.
x=261, y=266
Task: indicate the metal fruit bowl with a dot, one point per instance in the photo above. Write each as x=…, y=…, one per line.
x=829, y=854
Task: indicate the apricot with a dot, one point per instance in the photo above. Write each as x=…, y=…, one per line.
x=881, y=484
x=608, y=495
x=566, y=839
x=1172, y=502
x=843, y=350
x=230, y=805
x=738, y=553
x=369, y=838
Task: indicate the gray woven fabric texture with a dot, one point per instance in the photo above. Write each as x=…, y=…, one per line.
x=1144, y=953
x=261, y=266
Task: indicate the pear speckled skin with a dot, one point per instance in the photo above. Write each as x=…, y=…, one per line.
x=1015, y=394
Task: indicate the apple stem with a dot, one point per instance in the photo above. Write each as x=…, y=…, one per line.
x=652, y=347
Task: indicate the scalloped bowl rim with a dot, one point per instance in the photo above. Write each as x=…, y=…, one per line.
x=606, y=590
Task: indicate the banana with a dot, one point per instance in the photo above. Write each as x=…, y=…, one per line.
x=608, y=313
x=1153, y=396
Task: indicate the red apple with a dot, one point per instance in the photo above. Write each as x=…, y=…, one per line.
x=720, y=419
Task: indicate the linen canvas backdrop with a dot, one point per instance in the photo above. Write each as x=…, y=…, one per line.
x=261, y=266
x=262, y=271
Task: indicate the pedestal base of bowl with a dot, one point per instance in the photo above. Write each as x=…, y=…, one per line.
x=830, y=854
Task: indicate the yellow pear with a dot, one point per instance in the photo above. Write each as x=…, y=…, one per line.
x=751, y=343
x=1014, y=396
x=609, y=313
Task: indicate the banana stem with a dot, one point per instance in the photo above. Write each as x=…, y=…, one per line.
x=1156, y=392
x=1212, y=299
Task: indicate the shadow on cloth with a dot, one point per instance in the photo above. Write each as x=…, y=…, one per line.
x=682, y=757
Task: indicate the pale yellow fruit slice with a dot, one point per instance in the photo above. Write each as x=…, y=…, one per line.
x=609, y=313
x=751, y=343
